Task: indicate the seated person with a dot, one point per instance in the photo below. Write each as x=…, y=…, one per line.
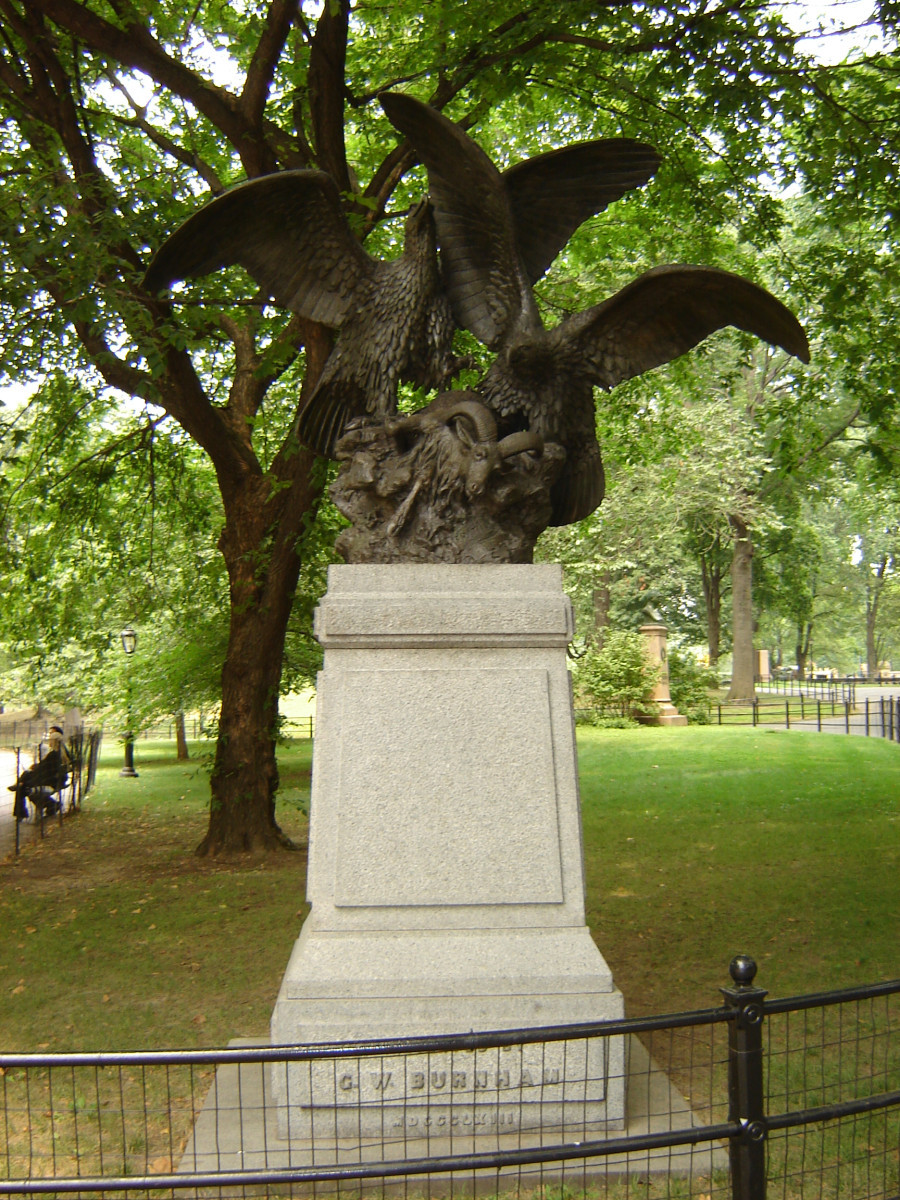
x=48, y=775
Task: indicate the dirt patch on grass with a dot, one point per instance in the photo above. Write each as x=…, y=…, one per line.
x=93, y=848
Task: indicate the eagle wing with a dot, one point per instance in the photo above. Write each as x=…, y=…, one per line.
x=661, y=315
x=664, y=313
x=552, y=194
x=480, y=262
x=582, y=484
x=288, y=231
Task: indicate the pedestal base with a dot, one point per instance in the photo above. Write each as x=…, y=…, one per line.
x=406, y=984
x=668, y=715
x=445, y=869
x=238, y=1129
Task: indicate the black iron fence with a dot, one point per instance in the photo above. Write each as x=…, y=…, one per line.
x=83, y=750
x=870, y=717
x=839, y=690
x=299, y=727
x=753, y=1098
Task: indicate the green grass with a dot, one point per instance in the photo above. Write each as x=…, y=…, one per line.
x=703, y=842
x=698, y=843
x=115, y=936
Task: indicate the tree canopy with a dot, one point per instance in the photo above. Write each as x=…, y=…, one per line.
x=120, y=118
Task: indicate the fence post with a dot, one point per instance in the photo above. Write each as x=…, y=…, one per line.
x=846, y=716
x=746, y=1098
x=819, y=715
x=867, y=716
x=787, y=713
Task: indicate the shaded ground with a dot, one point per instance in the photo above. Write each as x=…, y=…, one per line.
x=113, y=934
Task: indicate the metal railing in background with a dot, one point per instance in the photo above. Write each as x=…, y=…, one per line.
x=83, y=748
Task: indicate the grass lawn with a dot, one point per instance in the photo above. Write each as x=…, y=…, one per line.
x=698, y=843
x=703, y=842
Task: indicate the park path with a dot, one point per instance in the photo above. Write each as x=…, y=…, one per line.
x=7, y=824
x=27, y=829
x=838, y=723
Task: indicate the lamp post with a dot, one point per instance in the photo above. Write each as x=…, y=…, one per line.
x=129, y=643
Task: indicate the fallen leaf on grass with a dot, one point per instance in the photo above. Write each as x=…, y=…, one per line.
x=161, y=1166
x=200, y=1019
x=20, y=988
x=31, y=929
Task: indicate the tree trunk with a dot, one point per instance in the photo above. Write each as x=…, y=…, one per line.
x=871, y=639
x=600, y=602
x=711, y=576
x=873, y=596
x=803, y=648
x=744, y=666
x=260, y=544
x=181, y=754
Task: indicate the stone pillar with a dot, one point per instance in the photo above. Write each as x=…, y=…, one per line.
x=658, y=656
x=763, y=670
x=445, y=862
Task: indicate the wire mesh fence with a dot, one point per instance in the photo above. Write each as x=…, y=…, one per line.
x=25, y=808
x=666, y=1107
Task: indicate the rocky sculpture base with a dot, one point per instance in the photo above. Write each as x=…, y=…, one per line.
x=438, y=485
x=445, y=869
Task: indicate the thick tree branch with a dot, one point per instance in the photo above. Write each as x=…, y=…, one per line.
x=327, y=89
x=247, y=388
x=187, y=157
x=133, y=46
x=279, y=18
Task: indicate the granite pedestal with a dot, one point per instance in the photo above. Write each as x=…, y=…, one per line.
x=445, y=861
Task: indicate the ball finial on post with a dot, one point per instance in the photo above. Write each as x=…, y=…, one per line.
x=742, y=970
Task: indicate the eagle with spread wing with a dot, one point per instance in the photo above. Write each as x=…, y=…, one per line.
x=289, y=231
x=394, y=318
x=495, y=242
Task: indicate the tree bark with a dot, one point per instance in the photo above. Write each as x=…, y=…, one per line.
x=873, y=597
x=744, y=666
x=711, y=575
x=181, y=753
x=600, y=600
x=802, y=648
x=260, y=545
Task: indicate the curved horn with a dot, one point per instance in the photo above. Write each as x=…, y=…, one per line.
x=515, y=443
x=481, y=418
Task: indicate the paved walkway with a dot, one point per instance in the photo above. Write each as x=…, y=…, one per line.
x=837, y=722
x=7, y=824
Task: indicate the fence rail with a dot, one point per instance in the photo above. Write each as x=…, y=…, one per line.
x=83, y=748
x=840, y=690
x=796, y=1097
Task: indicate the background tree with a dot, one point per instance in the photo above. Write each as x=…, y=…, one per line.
x=116, y=121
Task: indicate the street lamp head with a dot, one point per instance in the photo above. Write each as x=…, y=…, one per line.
x=129, y=639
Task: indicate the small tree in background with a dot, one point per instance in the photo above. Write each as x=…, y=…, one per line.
x=618, y=678
x=690, y=685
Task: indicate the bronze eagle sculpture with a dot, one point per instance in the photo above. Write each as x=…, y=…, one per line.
x=394, y=317
x=543, y=380
x=289, y=232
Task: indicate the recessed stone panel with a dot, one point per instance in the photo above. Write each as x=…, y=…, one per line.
x=447, y=789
